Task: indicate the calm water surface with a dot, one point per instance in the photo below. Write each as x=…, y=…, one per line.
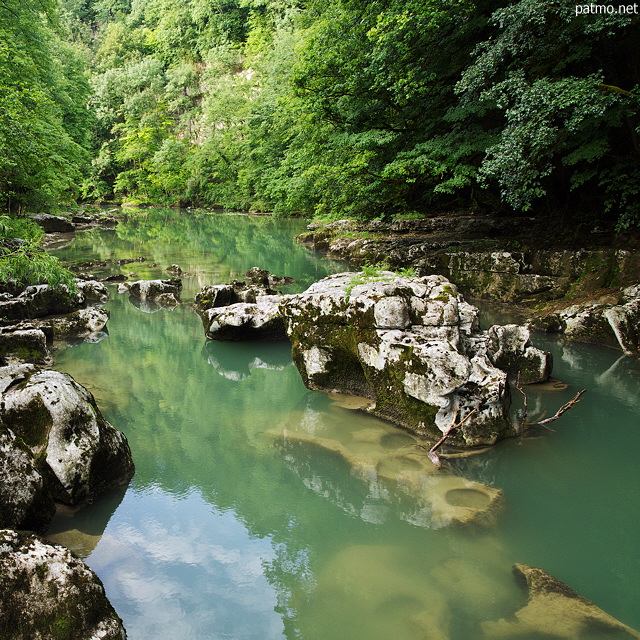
x=226, y=532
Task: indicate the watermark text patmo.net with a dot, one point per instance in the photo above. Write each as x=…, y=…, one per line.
x=598, y=9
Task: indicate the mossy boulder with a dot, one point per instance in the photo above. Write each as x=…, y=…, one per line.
x=25, y=501
x=79, y=453
x=39, y=300
x=47, y=593
x=412, y=345
x=53, y=224
x=19, y=344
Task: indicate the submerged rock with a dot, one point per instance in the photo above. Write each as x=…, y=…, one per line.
x=47, y=593
x=412, y=345
x=79, y=453
x=25, y=501
x=554, y=610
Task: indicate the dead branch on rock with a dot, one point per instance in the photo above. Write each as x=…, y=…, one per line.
x=433, y=456
x=524, y=425
x=563, y=408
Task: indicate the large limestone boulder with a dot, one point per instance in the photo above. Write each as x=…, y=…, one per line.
x=412, y=345
x=156, y=290
x=80, y=454
x=554, y=610
x=46, y=593
x=25, y=501
x=260, y=320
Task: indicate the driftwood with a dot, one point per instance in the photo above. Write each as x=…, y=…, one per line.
x=433, y=456
x=524, y=425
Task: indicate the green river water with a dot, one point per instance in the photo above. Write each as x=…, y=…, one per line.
x=225, y=532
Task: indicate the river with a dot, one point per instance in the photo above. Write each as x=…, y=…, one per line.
x=224, y=533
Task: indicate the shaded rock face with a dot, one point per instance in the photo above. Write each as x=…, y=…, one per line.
x=612, y=325
x=93, y=290
x=510, y=349
x=156, y=290
x=25, y=501
x=79, y=453
x=18, y=344
x=53, y=224
x=37, y=301
x=47, y=593
x=412, y=345
x=554, y=610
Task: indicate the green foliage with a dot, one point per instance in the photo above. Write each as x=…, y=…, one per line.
x=23, y=262
x=383, y=109
x=44, y=128
x=565, y=88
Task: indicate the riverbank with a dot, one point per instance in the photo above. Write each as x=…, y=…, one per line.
x=509, y=260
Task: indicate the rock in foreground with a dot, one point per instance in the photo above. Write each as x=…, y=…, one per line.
x=80, y=454
x=46, y=593
x=412, y=345
x=25, y=501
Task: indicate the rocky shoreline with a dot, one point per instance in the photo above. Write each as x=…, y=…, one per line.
x=586, y=294
x=56, y=448
x=408, y=343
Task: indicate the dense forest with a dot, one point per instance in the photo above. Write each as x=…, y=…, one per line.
x=334, y=108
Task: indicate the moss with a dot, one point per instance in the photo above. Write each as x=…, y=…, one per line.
x=443, y=297
x=31, y=422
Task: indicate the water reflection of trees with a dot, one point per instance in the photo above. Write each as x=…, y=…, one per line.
x=223, y=246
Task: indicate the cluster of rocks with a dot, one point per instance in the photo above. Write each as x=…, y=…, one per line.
x=55, y=446
x=411, y=345
x=152, y=295
x=614, y=322
x=39, y=314
x=243, y=310
x=61, y=224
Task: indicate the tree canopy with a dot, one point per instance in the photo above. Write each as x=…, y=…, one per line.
x=323, y=107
